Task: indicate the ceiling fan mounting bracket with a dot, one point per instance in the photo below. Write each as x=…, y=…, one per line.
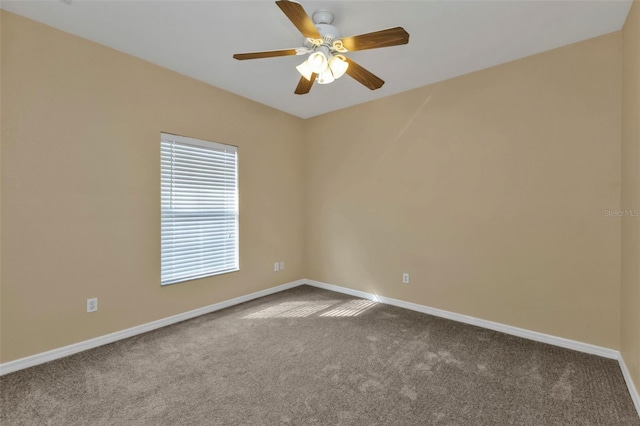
x=322, y=16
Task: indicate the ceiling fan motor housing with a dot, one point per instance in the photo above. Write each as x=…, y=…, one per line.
x=328, y=33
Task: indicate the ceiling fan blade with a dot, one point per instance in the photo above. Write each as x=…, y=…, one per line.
x=296, y=14
x=268, y=54
x=304, y=85
x=384, y=38
x=365, y=77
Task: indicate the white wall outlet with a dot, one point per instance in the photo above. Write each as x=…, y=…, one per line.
x=282, y=265
x=276, y=267
x=92, y=304
x=405, y=278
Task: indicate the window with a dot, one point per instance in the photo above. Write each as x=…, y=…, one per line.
x=199, y=232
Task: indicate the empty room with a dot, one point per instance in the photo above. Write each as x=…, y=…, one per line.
x=320, y=212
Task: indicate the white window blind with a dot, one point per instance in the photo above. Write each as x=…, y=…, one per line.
x=199, y=235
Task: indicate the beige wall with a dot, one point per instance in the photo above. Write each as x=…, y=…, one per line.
x=80, y=135
x=490, y=189
x=630, y=342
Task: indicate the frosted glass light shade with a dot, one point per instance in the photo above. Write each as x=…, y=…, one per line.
x=338, y=66
x=317, y=62
x=305, y=70
x=326, y=77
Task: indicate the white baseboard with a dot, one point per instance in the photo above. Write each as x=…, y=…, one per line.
x=508, y=329
x=344, y=290
x=635, y=396
x=41, y=358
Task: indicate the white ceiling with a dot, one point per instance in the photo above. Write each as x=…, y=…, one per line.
x=447, y=39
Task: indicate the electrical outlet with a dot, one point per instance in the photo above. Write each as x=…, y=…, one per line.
x=282, y=265
x=92, y=304
x=405, y=278
x=276, y=267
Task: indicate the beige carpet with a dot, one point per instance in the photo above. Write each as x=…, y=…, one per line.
x=312, y=357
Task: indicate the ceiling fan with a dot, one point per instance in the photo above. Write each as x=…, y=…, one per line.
x=326, y=48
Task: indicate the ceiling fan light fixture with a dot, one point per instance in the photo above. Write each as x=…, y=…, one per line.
x=338, y=66
x=305, y=70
